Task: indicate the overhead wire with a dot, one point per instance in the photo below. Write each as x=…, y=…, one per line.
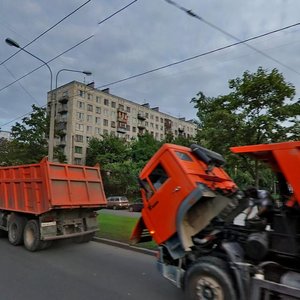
x=44, y=32
x=62, y=53
x=198, y=55
x=194, y=15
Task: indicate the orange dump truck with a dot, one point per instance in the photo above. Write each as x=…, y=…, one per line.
x=48, y=201
x=190, y=208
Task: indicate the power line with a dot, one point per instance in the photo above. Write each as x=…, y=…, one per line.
x=43, y=33
x=115, y=13
x=199, y=55
x=194, y=15
x=64, y=52
x=22, y=87
x=76, y=45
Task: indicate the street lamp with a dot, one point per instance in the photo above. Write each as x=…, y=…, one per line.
x=13, y=43
x=88, y=73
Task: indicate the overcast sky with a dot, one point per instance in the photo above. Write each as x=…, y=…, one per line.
x=146, y=35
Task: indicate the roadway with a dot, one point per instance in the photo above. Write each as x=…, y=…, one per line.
x=81, y=271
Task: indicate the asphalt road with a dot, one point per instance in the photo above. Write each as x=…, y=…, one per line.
x=120, y=212
x=81, y=271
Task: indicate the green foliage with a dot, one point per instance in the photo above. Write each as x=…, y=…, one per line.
x=259, y=109
x=29, y=140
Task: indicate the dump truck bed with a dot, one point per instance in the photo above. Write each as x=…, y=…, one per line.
x=38, y=188
x=282, y=157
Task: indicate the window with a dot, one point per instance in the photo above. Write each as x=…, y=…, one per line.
x=158, y=176
x=128, y=109
x=97, y=120
x=79, y=127
x=147, y=115
x=113, y=124
x=98, y=99
x=183, y=156
x=113, y=104
x=80, y=104
x=89, y=118
x=98, y=110
x=156, y=126
x=106, y=112
x=121, y=107
x=89, y=129
x=90, y=97
x=133, y=129
x=77, y=161
x=80, y=116
x=81, y=93
x=161, y=120
x=127, y=127
x=105, y=122
x=105, y=131
x=78, y=138
x=151, y=117
x=97, y=130
x=156, y=119
x=78, y=149
x=106, y=102
x=90, y=107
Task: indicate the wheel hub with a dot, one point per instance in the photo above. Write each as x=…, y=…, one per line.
x=209, y=289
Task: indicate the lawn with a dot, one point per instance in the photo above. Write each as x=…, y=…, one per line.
x=119, y=228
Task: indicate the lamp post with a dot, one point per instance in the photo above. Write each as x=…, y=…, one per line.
x=88, y=73
x=13, y=43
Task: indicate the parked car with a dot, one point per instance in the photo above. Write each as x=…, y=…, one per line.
x=117, y=202
x=136, y=205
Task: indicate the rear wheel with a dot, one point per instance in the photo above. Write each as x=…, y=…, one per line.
x=15, y=229
x=32, y=240
x=114, y=207
x=209, y=279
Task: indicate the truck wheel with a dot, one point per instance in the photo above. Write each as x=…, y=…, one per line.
x=15, y=229
x=209, y=279
x=32, y=240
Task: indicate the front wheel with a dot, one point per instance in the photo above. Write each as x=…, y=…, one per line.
x=209, y=279
x=32, y=241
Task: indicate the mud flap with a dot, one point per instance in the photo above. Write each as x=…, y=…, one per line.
x=140, y=233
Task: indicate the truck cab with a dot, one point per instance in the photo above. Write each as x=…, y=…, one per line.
x=182, y=190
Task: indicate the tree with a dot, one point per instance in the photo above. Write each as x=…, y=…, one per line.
x=259, y=109
x=29, y=144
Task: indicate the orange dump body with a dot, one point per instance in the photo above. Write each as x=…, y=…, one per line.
x=173, y=178
x=38, y=188
x=282, y=157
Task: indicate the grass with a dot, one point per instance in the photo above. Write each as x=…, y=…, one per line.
x=119, y=228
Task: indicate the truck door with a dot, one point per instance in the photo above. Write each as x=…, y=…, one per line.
x=163, y=199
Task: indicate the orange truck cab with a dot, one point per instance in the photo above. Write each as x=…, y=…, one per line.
x=190, y=207
x=175, y=180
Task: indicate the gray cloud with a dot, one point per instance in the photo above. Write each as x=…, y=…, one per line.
x=147, y=35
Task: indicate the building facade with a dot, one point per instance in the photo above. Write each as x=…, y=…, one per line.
x=82, y=112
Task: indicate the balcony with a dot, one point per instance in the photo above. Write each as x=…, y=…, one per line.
x=141, y=116
x=62, y=109
x=64, y=99
x=121, y=130
x=141, y=125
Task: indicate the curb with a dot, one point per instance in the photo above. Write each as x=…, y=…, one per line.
x=124, y=246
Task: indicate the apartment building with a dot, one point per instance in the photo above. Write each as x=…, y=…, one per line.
x=82, y=112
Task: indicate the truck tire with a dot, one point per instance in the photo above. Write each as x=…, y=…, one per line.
x=32, y=240
x=209, y=278
x=15, y=229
